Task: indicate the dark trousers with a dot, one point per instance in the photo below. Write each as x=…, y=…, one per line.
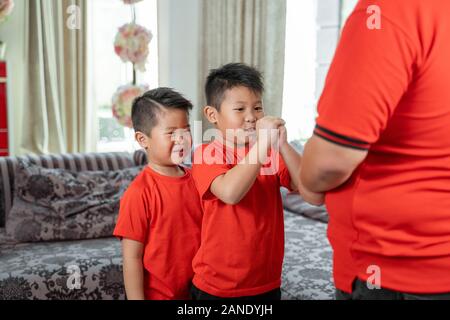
x=362, y=292
x=198, y=294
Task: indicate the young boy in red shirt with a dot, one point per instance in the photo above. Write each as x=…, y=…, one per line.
x=160, y=213
x=242, y=243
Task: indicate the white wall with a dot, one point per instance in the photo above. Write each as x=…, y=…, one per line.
x=312, y=34
x=12, y=32
x=328, y=23
x=299, y=100
x=179, y=48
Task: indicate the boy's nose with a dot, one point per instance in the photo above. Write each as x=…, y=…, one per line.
x=177, y=138
x=250, y=117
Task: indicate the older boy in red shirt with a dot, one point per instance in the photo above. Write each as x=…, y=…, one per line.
x=242, y=247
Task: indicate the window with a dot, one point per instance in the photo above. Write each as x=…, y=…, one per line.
x=299, y=102
x=312, y=32
x=347, y=9
x=107, y=72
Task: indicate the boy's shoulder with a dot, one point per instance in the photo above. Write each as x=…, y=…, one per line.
x=212, y=153
x=143, y=181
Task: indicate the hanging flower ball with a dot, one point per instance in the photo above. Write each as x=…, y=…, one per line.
x=131, y=1
x=131, y=44
x=6, y=7
x=122, y=102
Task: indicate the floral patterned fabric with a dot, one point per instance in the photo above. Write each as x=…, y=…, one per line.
x=46, y=270
x=49, y=271
x=75, y=162
x=307, y=268
x=58, y=204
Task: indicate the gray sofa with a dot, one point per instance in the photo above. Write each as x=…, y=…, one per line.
x=91, y=269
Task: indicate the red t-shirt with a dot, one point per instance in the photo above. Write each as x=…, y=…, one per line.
x=242, y=248
x=388, y=92
x=164, y=214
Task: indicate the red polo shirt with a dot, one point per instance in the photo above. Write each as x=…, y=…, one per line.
x=388, y=92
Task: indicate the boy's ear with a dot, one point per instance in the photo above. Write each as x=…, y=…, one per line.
x=142, y=139
x=210, y=114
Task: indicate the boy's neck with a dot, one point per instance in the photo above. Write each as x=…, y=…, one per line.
x=171, y=171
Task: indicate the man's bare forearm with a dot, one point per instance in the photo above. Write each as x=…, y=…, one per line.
x=326, y=166
x=322, y=180
x=316, y=199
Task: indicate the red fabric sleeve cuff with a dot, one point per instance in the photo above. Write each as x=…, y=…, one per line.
x=340, y=139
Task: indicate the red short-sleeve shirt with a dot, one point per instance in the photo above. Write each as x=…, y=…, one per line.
x=242, y=248
x=387, y=92
x=164, y=214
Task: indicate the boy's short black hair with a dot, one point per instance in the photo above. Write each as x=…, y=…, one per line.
x=146, y=107
x=228, y=77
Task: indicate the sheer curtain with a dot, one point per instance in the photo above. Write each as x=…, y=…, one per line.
x=56, y=119
x=249, y=31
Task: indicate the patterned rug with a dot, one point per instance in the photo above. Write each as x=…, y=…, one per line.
x=307, y=270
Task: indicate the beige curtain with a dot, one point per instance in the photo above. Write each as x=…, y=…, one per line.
x=249, y=31
x=55, y=114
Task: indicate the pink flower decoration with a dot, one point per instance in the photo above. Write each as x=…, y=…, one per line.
x=6, y=7
x=131, y=44
x=122, y=102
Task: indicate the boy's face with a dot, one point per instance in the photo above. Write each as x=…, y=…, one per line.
x=239, y=111
x=170, y=141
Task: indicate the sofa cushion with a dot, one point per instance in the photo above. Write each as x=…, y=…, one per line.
x=5, y=238
x=57, y=204
x=75, y=162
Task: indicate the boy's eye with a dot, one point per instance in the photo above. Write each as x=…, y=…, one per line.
x=180, y=133
x=258, y=108
x=239, y=109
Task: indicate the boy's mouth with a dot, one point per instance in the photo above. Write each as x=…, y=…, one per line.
x=179, y=152
x=250, y=132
